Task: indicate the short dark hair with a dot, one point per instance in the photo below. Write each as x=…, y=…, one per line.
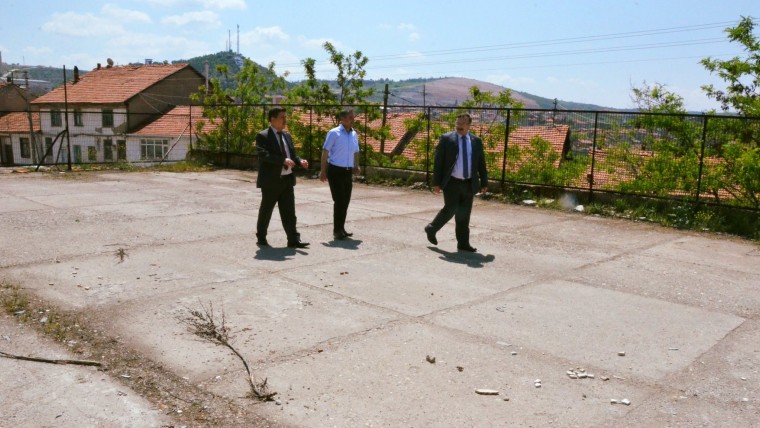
x=344, y=113
x=275, y=111
x=465, y=116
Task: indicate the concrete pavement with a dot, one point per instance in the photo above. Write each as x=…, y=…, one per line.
x=342, y=330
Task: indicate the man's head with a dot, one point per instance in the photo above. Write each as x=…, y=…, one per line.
x=347, y=118
x=278, y=117
x=463, y=124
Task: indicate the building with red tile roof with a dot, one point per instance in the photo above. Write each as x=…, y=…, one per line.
x=104, y=106
x=18, y=143
x=170, y=136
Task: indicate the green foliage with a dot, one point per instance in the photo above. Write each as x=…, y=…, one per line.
x=240, y=112
x=538, y=164
x=324, y=104
x=742, y=75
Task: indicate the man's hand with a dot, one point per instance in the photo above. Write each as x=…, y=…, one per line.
x=437, y=189
x=289, y=163
x=304, y=164
x=483, y=190
x=323, y=176
x=357, y=170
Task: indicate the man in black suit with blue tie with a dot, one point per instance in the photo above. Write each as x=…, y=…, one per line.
x=460, y=170
x=277, y=159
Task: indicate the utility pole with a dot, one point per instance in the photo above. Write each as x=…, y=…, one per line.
x=385, y=115
x=66, y=112
x=35, y=154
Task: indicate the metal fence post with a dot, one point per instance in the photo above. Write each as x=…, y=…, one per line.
x=593, y=160
x=427, y=148
x=702, y=156
x=506, y=141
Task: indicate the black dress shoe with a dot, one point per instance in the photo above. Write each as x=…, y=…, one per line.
x=431, y=234
x=262, y=243
x=348, y=233
x=467, y=247
x=340, y=235
x=298, y=244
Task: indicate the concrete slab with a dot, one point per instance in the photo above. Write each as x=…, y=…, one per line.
x=10, y=203
x=601, y=233
x=590, y=326
x=40, y=394
x=691, y=282
x=358, y=383
x=269, y=318
x=342, y=329
x=104, y=279
x=729, y=374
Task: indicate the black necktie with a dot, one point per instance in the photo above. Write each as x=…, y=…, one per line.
x=465, y=161
x=282, y=144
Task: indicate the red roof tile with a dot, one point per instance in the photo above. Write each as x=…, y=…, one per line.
x=175, y=122
x=114, y=85
x=18, y=122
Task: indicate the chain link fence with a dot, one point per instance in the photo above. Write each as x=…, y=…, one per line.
x=713, y=159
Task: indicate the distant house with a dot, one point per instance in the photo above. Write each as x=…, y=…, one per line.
x=16, y=138
x=12, y=98
x=108, y=103
x=170, y=136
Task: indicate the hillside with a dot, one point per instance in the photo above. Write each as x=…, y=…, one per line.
x=230, y=59
x=447, y=91
x=450, y=91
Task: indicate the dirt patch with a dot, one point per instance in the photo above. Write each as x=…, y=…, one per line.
x=87, y=337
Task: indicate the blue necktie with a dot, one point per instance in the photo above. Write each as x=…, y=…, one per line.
x=465, y=161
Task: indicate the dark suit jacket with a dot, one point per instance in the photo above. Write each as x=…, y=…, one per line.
x=271, y=159
x=446, y=156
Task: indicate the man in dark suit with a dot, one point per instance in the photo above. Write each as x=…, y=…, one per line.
x=460, y=170
x=277, y=158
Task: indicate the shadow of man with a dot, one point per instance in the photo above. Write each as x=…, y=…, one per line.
x=473, y=260
x=277, y=254
x=346, y=244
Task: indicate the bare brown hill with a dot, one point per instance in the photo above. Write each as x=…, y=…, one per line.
x=452, y=91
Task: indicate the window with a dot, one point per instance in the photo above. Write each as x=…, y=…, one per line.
x=107, y=150
x=48, y=147
x=78, y=118
x=107, y=118
x=92, y=154
x=153, y=149
x=55, y=118
x=77, y=153
x=26, y=148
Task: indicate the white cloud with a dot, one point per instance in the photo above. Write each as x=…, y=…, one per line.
x=224, y=4
x=504, y=79
x=406, y=27
x=38, y=51
x=206, y=18
x=82, y=25
x=263, y=38
x=413, y=37
x=316, y=44
x=207, y=4
x=125, y=15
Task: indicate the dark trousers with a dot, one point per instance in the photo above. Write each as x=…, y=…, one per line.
x=280, y=194
x=457, y=203
x=341, y=184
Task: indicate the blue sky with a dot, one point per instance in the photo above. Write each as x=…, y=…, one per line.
x=582, y=50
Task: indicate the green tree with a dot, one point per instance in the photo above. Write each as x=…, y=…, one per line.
x=239, y=112
x=322, y=103
x=742, y=75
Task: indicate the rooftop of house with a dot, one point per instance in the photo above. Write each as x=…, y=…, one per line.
x=18, y=122
x=110, y=85
x=181, y=120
